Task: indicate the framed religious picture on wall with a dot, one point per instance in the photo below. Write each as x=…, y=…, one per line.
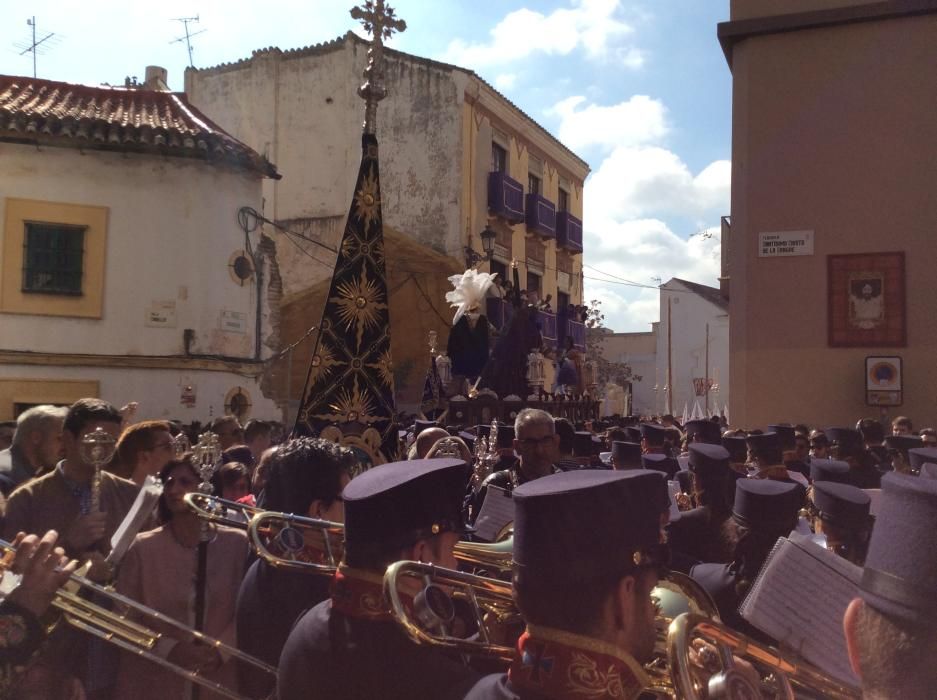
x=866, y=300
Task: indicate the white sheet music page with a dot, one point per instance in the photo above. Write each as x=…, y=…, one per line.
x=496, y=512
x=141, y=509
x=799, y=599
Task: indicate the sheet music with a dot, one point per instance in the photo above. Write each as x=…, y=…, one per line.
x=135, y=519
x=673, y=489
x=496, y=512
x=799, y=599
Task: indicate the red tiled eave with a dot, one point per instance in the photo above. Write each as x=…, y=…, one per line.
x=117, y=119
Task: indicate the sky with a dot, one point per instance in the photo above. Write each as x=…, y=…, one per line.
x=638, y=88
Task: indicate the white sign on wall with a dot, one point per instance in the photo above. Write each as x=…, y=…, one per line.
x=234, y=322
x=160, y=314
x=777, y=244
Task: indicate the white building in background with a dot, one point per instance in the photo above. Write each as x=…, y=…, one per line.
x=692, y=348
x=123, y=273
x=671, y=359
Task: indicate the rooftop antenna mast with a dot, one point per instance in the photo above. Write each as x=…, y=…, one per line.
x=188, y=35
x=35, y=44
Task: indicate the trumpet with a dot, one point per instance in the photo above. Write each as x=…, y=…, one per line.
x=134, y=628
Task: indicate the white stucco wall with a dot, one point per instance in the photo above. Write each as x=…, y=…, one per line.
x=172, y=228
x=158, y=391
x=689, y=314
x=301, y=109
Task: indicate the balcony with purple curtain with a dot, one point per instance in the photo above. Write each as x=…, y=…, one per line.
x=568, y=232
x=547, y=324
x=541, y=216
x=505, y=197
x=577, y=330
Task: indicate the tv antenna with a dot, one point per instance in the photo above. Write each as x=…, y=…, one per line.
x=35, y=45
x=188, y=35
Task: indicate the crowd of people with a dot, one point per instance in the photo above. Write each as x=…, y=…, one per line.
x=602, y=511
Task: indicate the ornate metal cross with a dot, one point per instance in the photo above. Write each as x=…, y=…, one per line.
x=379, y=21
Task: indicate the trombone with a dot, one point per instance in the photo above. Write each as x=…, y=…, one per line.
x=283, y=541
x=220, y=511
x=137, y=636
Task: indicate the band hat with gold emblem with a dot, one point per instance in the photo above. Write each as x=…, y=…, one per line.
x=848, y=440
x=654, y=434
x=396, y=504
x=703, y=430
x=829, y=470
x=842, y=504
x=707, y=461
x=586, y=524
x=919, y=456
x=901, y=565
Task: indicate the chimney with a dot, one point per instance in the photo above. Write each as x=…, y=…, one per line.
x=156, y=77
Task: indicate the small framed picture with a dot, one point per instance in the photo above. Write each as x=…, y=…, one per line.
x=883, y=380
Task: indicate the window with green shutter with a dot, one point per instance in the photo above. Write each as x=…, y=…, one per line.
x=53, y=258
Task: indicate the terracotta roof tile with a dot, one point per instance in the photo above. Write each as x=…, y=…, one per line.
x=106, y=118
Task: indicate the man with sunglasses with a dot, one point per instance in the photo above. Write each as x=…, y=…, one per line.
x=584, y=596
x=538, y=449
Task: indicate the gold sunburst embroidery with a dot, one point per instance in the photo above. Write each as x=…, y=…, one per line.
x=385, y=369
x=351, y=406
x=368, y=200
x=360, y=303
x=322, y=363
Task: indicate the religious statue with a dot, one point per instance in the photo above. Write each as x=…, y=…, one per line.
x=468, y=340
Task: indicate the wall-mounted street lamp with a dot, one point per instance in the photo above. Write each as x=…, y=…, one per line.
x=488, y=237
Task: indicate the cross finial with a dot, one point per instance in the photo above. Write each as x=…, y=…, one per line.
x=379, y=21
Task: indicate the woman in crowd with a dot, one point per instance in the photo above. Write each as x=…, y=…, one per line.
x=159, y=571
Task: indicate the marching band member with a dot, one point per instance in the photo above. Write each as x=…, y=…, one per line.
x=349, y=646
x=585, y=599
x=305, y=477
x=698, y=532
x=537, y=445
x=763, y=511
x=44, y=569
x=891, y=627
x=842, y=516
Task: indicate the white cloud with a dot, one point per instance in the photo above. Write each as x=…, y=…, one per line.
x=644, y=251
x=638, y=120
x=505, y=81
x=591, y=25
x=640, y=181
